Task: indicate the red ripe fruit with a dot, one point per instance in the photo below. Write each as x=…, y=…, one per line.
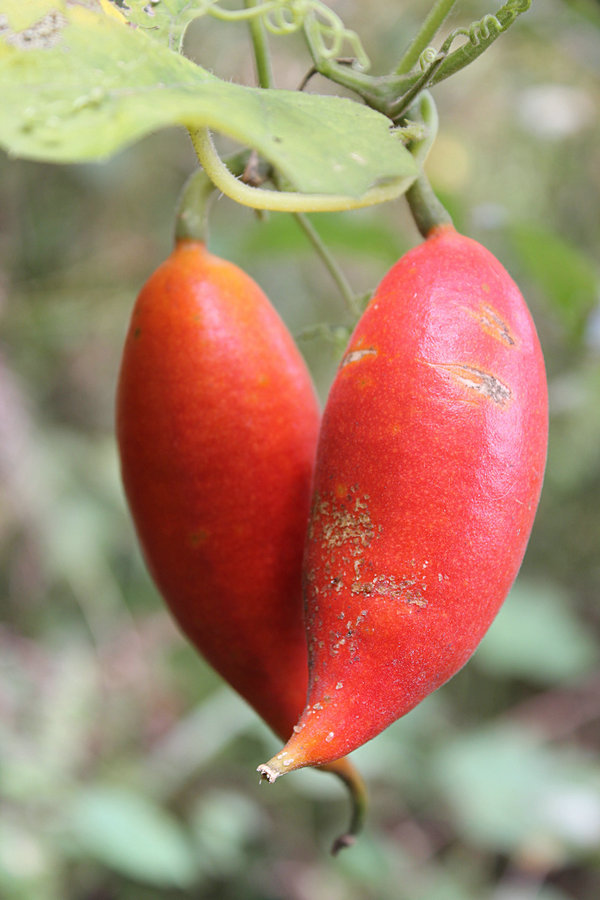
x=429, y=471
x=217, y=425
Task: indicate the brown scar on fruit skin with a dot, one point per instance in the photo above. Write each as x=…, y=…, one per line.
x=353, y=356
x=492, y=324
x=483, y=383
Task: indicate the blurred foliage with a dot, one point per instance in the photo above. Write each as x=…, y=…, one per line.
x=126, y=767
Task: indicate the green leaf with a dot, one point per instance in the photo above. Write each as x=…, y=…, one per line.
x=537, y=636
x=132, y=835
x=223, y=824
x=164, y=20
x=510, y=791
x=87, y=85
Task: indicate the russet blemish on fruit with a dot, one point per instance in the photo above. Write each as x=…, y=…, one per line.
x=356, y=355
x=407, y=590
x=340, y=525
x=492, y=323
x=483, y=383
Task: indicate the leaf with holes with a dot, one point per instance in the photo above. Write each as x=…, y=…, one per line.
x=164, y=21
x=78, y=85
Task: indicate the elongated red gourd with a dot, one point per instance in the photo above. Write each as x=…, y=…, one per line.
x=217, y=424
x=429, y=471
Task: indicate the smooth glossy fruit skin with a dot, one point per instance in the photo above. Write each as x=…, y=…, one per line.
x=429, y=471
x=217, y=425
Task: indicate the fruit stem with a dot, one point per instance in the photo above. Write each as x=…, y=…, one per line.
x=357, y=789
x=191, y=219
x=426, y=209
x=353, y=781
x=428, y=212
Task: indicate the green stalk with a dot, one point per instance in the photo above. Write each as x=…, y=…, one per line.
x=425, y=35
x=328, y=260
x=427, y=211
x=262, y=56
x=265, y=79
x=349, y=776
x=191, y=217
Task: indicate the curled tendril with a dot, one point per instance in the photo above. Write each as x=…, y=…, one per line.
x=212, y=8
x=287, y=18
x=332, y=30
x=427, y=57
x=511, y=10
x=480, y=31
x=328, y=34
x=430, y=61
x=489, y=26
x=515, y=7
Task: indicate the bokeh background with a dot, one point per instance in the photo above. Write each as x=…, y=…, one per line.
x=126, y=766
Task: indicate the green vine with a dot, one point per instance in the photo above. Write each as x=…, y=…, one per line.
x=393, y=93
x=337, y=51
x=283, y=17
x=284, y=201
x=427, y=211
x=265, y=79
x=427, y=32
x=420, y=68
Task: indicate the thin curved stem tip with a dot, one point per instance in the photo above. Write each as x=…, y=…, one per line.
x=345, y=771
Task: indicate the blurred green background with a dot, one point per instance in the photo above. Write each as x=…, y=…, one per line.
x=126, y=766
